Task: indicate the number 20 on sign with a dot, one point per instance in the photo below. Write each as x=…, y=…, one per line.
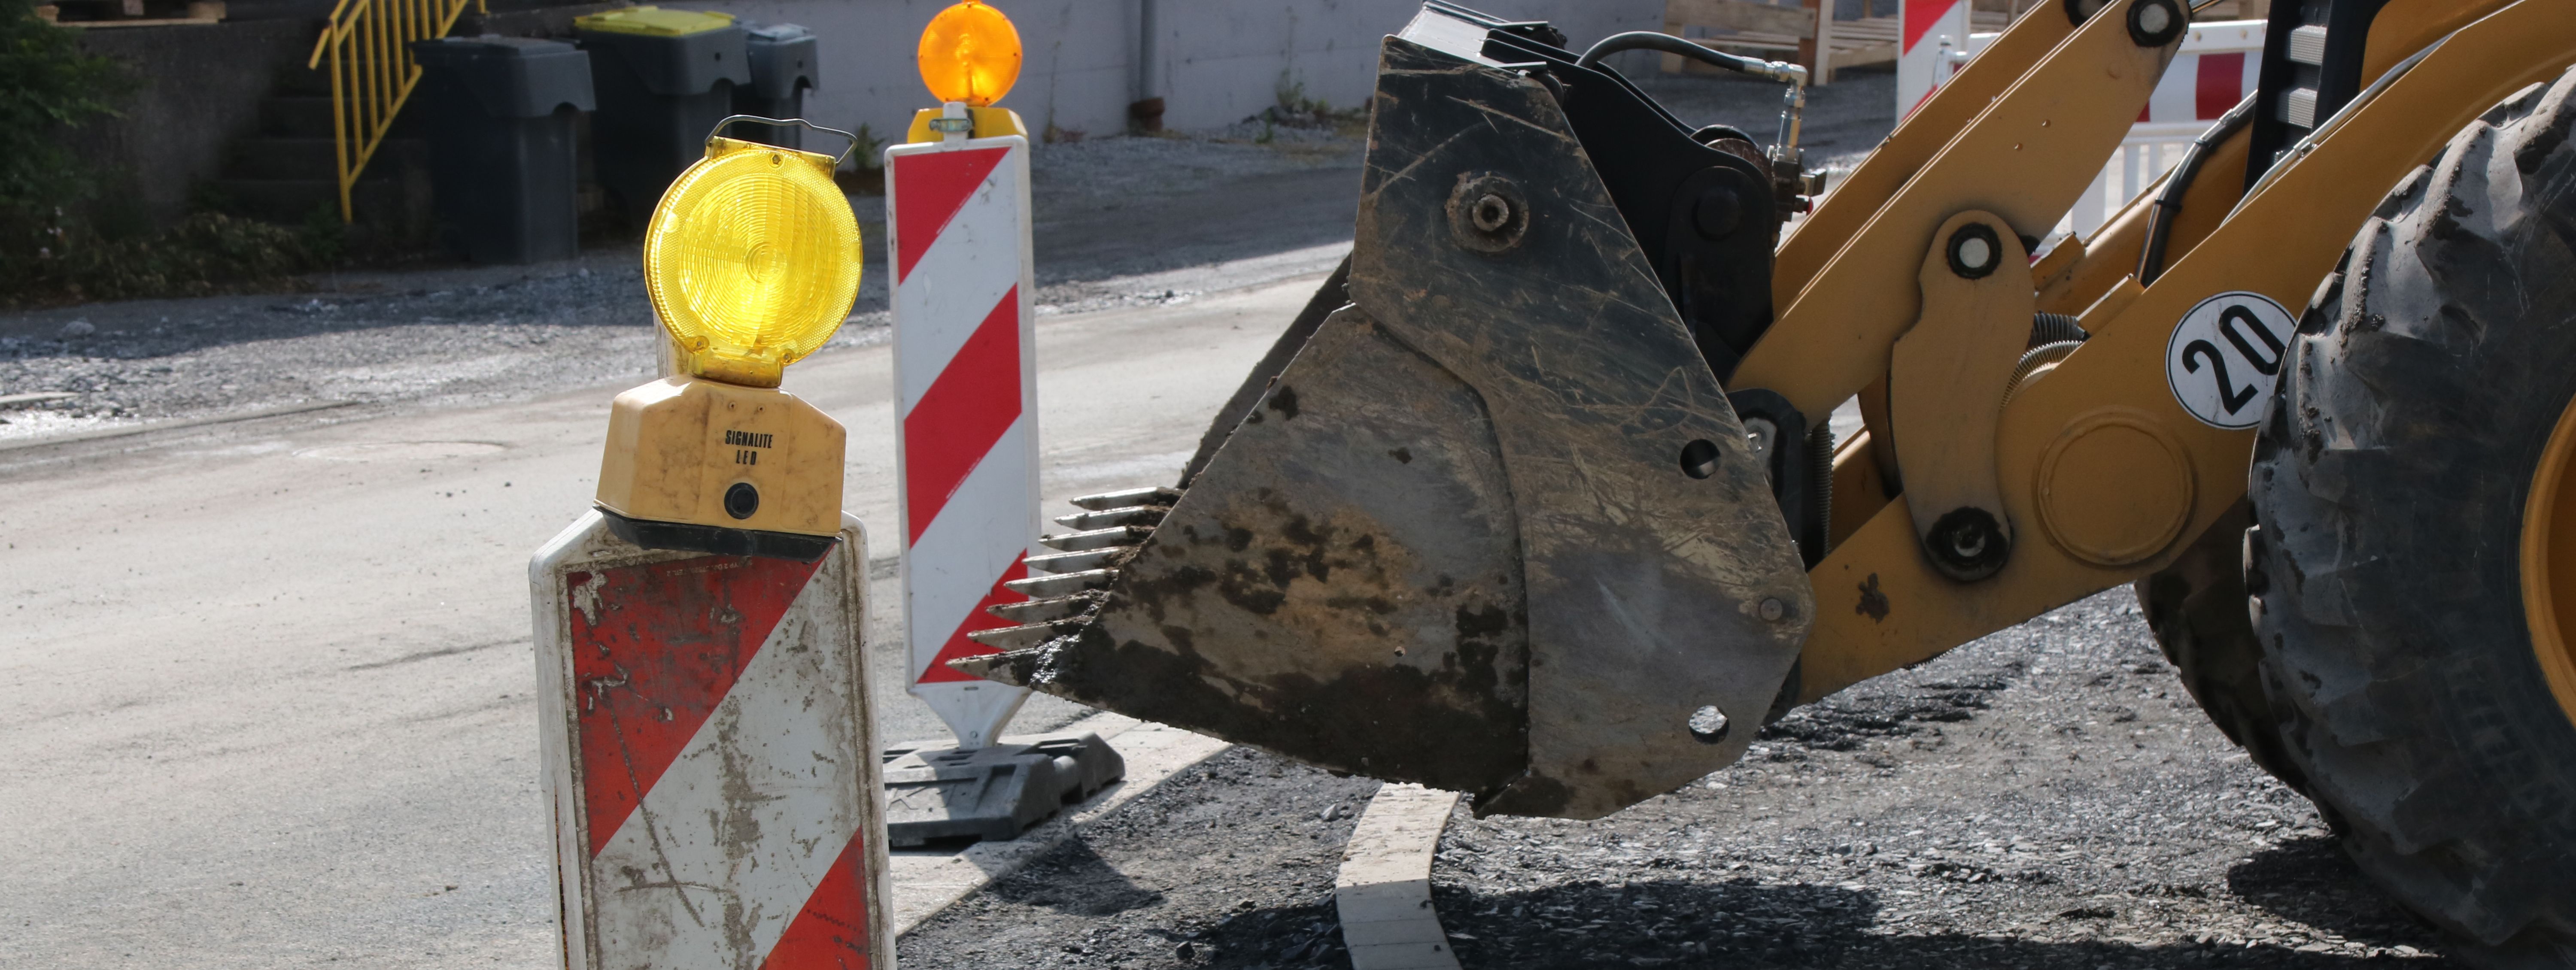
x=2224, y=355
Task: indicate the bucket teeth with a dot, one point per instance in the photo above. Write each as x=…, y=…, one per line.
x=1084, y=561
x=1008, y=638
x=1064, y=584
x=1113, y=529
x=1011, y=668
x=1144, y=515
x=1041, y=611
x=1124, y=535
x=1155, y=495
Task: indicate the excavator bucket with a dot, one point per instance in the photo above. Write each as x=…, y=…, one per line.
x=1489, y=526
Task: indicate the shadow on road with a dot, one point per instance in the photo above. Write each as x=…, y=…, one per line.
x=1074, y=880
x=2311, y=881
x=1745, y=924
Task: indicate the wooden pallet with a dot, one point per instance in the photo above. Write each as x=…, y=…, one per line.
x=128, y=13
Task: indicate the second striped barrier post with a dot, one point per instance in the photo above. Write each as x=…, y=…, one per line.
x=957, y=225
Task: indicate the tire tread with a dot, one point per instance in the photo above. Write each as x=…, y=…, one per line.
x=2386, y=490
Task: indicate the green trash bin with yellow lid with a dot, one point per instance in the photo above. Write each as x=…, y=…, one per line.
x=663, y=79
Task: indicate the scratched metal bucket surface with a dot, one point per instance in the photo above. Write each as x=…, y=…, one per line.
x=1494, y=527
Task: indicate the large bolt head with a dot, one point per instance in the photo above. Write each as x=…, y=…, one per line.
x=1488, y=213
x=1975, y=251
x=1717, y=213
x=2155, y=23
x=1967, y=544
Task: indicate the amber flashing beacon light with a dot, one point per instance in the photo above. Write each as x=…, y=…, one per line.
x=752, y=262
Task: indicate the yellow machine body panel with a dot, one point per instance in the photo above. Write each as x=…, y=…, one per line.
x=1898, y=610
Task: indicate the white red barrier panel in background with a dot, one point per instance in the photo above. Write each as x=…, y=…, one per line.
x=2215, y=68
x=957, y=224
x=1931, y=46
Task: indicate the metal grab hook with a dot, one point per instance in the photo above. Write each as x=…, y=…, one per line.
x=785, y=122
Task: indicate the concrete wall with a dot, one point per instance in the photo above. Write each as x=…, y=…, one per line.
x=1221, y=61
x=200, y=93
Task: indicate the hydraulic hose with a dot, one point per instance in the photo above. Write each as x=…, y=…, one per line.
x=1793, y=106
x=2160, y=219
x=1669, y=44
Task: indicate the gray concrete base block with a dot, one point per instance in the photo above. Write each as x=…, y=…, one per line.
x=936, y=792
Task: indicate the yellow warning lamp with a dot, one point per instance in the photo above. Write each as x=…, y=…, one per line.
x=751, y=261
x=970, y=53
x=969, y=58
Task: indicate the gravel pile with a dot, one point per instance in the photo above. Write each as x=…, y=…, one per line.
x=1228, y=864
x=2045, y=797
x=440, y=339
x=1106, y=213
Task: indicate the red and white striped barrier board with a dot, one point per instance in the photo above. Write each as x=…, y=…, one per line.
x=2217, y=66
x=1931, y=46
x=709, y=759
x=965, y=371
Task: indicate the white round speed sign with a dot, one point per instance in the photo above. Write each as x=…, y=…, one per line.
x=2225, y=355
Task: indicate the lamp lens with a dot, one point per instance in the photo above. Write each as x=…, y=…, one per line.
x=752, y=259
x=970, y=53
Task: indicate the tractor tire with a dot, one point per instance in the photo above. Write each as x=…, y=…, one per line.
x=2388, y=487
x=2196, y=607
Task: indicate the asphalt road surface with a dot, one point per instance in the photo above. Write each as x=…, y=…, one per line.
x=270, y=679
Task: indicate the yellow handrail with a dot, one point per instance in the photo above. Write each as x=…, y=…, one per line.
x=372, y=72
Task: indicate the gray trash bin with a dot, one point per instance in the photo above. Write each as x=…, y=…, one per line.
x=783, y=68
x=664, y=77
x=502, y=117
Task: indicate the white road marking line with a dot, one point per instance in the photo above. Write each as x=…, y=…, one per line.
x=927, y=882
x=1384, y=889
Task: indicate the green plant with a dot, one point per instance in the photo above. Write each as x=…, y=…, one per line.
x=1291, y=108
x=866, y=174
x=323, y=237
x=1291, y=98
x=46, y=86
x=869, y=152
x=207, y=252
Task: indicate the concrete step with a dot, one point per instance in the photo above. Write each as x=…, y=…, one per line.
x=266, y=158
x=393, y=204
x=299, y=81
x=288, y=201
x=272, y=158
x=295, y=116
